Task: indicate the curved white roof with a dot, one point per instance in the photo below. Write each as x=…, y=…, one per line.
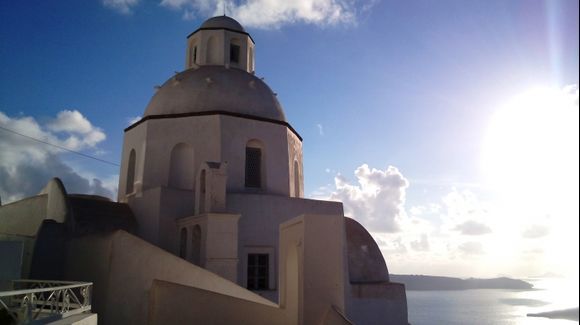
x=218, y=89
x=222, y=22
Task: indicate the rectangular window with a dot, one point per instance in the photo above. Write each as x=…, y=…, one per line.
x=258, y=274
x=253, y=167
x=234, y=53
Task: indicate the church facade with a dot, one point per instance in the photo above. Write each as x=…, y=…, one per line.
x=212, y=184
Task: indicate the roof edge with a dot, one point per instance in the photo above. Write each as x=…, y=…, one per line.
x=208, y=113
x=222, y=28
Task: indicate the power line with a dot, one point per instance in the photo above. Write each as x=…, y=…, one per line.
x=60, y=147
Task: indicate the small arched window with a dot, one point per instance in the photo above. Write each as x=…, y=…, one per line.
x=254, y=165
x=251, y=60
x=296, y=179
x=183, y=243
x=235, y=53
x=131, y=172
x=196, y=245
x=202, y=191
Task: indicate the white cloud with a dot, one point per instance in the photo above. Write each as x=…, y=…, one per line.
x=421, y=244
x=133, y=120
x=471, y=227
x=439, y=233
x=420, y=210
x=471, y=248
x=26, y=165
x=121, y=6
x=536, y=231
x=395, y=246
x=275, y=13
x=81, y=133
x=377, y=198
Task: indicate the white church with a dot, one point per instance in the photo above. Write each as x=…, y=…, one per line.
x=211, y=224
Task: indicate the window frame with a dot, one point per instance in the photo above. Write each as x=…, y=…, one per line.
x=235, y=51
x=272, y=275
x=258, y=271
x=253, y=174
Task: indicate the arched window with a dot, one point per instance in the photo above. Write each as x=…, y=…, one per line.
x=202, y=191
x=183, y=243
x=234, y=51
x=296, y=179
x=196, y=245
x=254, y=165
x=251, y=60
x=131, y=172
x=181, y=171
x=212, y=50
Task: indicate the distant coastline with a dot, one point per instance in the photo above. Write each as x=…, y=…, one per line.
x=427, y=282
x=569, y=314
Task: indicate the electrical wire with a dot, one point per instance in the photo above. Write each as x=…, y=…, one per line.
x=60, y=147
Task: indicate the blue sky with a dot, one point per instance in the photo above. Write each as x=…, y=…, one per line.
x=409, y=84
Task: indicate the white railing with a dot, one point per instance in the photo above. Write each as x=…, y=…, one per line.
x=40, y=301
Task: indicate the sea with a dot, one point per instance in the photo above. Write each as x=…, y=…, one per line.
x=494, y=306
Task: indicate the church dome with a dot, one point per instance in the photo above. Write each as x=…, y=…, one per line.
x=216, y=89
x=222, y=22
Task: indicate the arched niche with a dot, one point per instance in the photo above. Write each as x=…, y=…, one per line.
x=181, y=170
x=202, y=190
x=183, y=243
x=212, y=51
x=129, y=188
x=296, y=179
x=251, y=59
x=196, y=245
x=193, y=53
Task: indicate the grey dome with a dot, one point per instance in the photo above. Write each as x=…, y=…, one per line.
x=224, y=22
x=216, y=88
x=365, y=260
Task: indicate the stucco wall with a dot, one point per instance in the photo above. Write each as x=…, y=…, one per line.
x=198, y=306
x=159, y=136
x=123, y=267
x=23, y=217
x=260, y=221
x=236, y=133
x=146, y=208
x=311, y=284
x=215, y=139
x=21, y=221
x=201, y=132
x=220, y=54
x=295, y=154
x=134, y=139
x=319, y=264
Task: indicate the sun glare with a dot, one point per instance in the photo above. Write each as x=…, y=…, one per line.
x=531, y=147
x=530, y=158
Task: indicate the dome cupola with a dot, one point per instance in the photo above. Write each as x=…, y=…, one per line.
x=218, y=78
x=215, y=89
x=221, y=41
x=223, y=22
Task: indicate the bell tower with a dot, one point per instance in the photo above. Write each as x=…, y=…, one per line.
x=220, y=41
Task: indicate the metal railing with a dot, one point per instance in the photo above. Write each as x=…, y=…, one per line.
x=40, y=301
